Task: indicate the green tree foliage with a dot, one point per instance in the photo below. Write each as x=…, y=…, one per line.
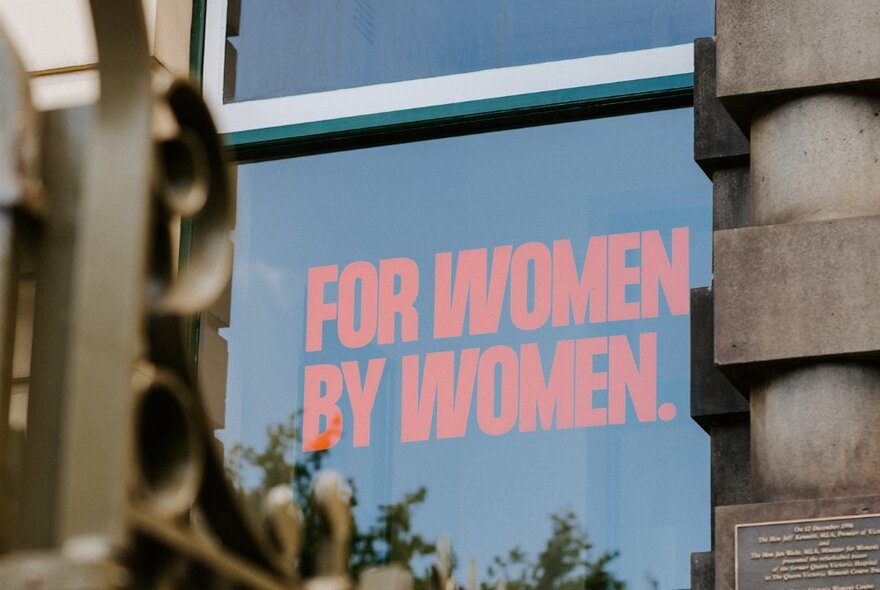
x=390, y=539
x=565, y=562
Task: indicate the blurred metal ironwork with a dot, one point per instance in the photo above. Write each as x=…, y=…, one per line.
x=118, y=455
x=119, y=483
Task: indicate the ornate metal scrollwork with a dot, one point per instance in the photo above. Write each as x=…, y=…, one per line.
x=125, y=486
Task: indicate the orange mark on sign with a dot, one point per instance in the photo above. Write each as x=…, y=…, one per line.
x=328, y=438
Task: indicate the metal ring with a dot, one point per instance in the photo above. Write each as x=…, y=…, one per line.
x=168, y=447
x=196, y=157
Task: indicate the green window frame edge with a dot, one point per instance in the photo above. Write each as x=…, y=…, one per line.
x=478, y=116
x=187, y=227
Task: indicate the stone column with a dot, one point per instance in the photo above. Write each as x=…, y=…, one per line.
x=796, y=318
x=815, y=158
x=722, y=151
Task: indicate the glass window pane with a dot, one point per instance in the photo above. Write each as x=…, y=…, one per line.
x=283, y=48
x=527, y=407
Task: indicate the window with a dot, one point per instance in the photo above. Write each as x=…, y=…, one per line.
x=360, y=226
x=479, y=315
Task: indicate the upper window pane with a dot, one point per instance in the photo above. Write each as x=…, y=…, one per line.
x=288, y=47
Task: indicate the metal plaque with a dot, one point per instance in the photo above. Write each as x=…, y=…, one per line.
x=841, y=553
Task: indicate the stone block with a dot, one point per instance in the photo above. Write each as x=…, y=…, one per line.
x=795, y=291
x=730, y=198
x=233, y=17
x=213, y=364
x=703, y=571
x=728, y=517
x=731, y=462
x=172, y=33
x=814, y=431
x=230, y=70
x=816, y=157
x=718, y=141
x=714, y=399
x=221, y=309
x=768, y=48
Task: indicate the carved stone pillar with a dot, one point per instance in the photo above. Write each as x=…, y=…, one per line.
x=796, y=323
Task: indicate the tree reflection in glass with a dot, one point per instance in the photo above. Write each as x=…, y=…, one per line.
x=566, y=561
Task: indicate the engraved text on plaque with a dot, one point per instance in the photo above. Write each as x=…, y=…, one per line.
x=829, y=554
